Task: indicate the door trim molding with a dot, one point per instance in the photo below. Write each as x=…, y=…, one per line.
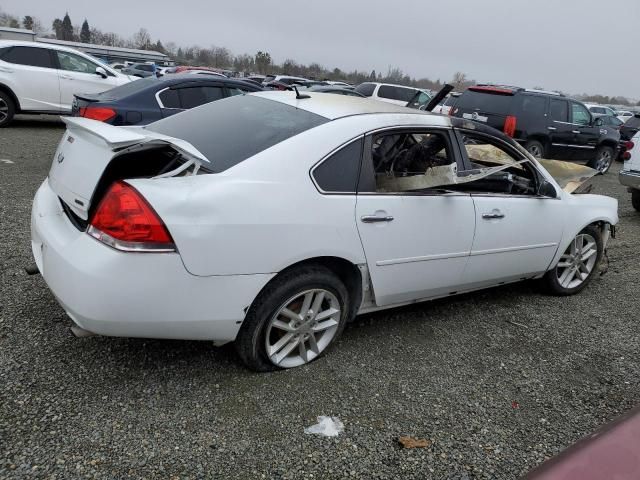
x=512, y=249
x=422, y=258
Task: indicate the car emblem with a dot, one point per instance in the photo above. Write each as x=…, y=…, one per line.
x=60, y=158
x=474, y=116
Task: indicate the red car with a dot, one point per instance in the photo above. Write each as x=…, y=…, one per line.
x=610, y=453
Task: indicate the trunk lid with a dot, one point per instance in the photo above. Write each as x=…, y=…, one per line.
x=87, y=148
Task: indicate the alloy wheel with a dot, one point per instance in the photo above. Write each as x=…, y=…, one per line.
x=603, y=161
x=4, y=110
x=577, y=263
x=302, y=328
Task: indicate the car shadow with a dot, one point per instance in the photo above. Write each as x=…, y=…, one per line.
x=194, y=359
x=36, y=121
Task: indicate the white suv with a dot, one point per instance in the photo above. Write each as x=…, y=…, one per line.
x=40, y=78
x=388, y=92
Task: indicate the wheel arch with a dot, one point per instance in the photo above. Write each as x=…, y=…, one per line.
x=539, y=137
x=6, y=89
x=608, y=142
x=599, y=222
x=344, y=269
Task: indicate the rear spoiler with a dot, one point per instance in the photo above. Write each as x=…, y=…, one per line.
x=122, y=137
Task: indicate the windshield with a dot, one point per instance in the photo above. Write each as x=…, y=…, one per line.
x=229, y=131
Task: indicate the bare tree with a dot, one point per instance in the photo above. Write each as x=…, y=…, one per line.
x=142, y=39
x=459, y=80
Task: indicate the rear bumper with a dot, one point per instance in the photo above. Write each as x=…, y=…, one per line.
x=120, y=294
x=629, y=178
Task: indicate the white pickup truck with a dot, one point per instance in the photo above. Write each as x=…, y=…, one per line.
x=630, y=174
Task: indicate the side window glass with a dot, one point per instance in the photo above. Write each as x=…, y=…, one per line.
x=170, y=99
x=213, y=93
x=235, y=91
x=534, y=105
x=366, y=89
x=34, y=57
x=396, y=93
x=192, y=97
x=75, y=63
x=495, y=168
x=558, y=110
x=412, y=162
x=579, y=114
x=339, y=173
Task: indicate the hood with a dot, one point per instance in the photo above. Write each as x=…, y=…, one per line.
x=571, y=177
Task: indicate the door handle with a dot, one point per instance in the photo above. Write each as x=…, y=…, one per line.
x=491, y=216
x=577, y=132
x=376, y=218
x=66, y=77
x=553, y=129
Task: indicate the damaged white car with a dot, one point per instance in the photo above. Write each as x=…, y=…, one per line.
x=272, y=219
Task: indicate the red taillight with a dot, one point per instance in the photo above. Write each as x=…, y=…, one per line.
x=101, y=114
x=626, y=156
x=510, y=126
x=629, y=145
x=124, y=220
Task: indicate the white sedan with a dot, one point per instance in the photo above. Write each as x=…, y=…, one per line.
x=272, y=219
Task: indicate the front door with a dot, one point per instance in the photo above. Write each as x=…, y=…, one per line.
x=586, y=134
x=517, y=231
x=416, y=235
x=78, y=75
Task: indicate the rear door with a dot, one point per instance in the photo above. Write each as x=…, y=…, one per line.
x=416, y=237
x=78, y=75
x=490, y=105
x=36, y=79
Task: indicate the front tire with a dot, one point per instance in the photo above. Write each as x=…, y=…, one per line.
x=577, y=265
x=635, y=199
x=7, y=109
x=603, y=160
x=294, y=320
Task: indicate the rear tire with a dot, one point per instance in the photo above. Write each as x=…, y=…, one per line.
x=535, y=148
x=7, y=109
x=635, y=199
x=281, y=329
x=577, y=265
x=603, y=159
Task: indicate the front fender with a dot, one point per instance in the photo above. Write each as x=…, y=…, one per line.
x=582, y=211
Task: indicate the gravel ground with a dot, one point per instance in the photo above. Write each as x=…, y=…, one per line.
x=448, y=371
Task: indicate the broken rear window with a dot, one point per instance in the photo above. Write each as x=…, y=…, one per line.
x=229, y=131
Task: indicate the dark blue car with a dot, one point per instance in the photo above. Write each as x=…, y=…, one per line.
x=149, y=99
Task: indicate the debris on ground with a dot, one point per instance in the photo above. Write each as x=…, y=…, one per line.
x=410, y=442
x=326, y=426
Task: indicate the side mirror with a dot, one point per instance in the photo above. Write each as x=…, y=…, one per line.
x=101, y=71
x=598, y=122
x=547, y=190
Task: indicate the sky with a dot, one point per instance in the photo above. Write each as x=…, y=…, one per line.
x=577, y=46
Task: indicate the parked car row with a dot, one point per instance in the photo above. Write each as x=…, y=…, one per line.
x=547, y=124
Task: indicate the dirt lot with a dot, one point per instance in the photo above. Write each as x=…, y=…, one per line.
x=495, y=398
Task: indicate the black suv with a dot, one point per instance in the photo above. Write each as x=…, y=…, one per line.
x=549, y=125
